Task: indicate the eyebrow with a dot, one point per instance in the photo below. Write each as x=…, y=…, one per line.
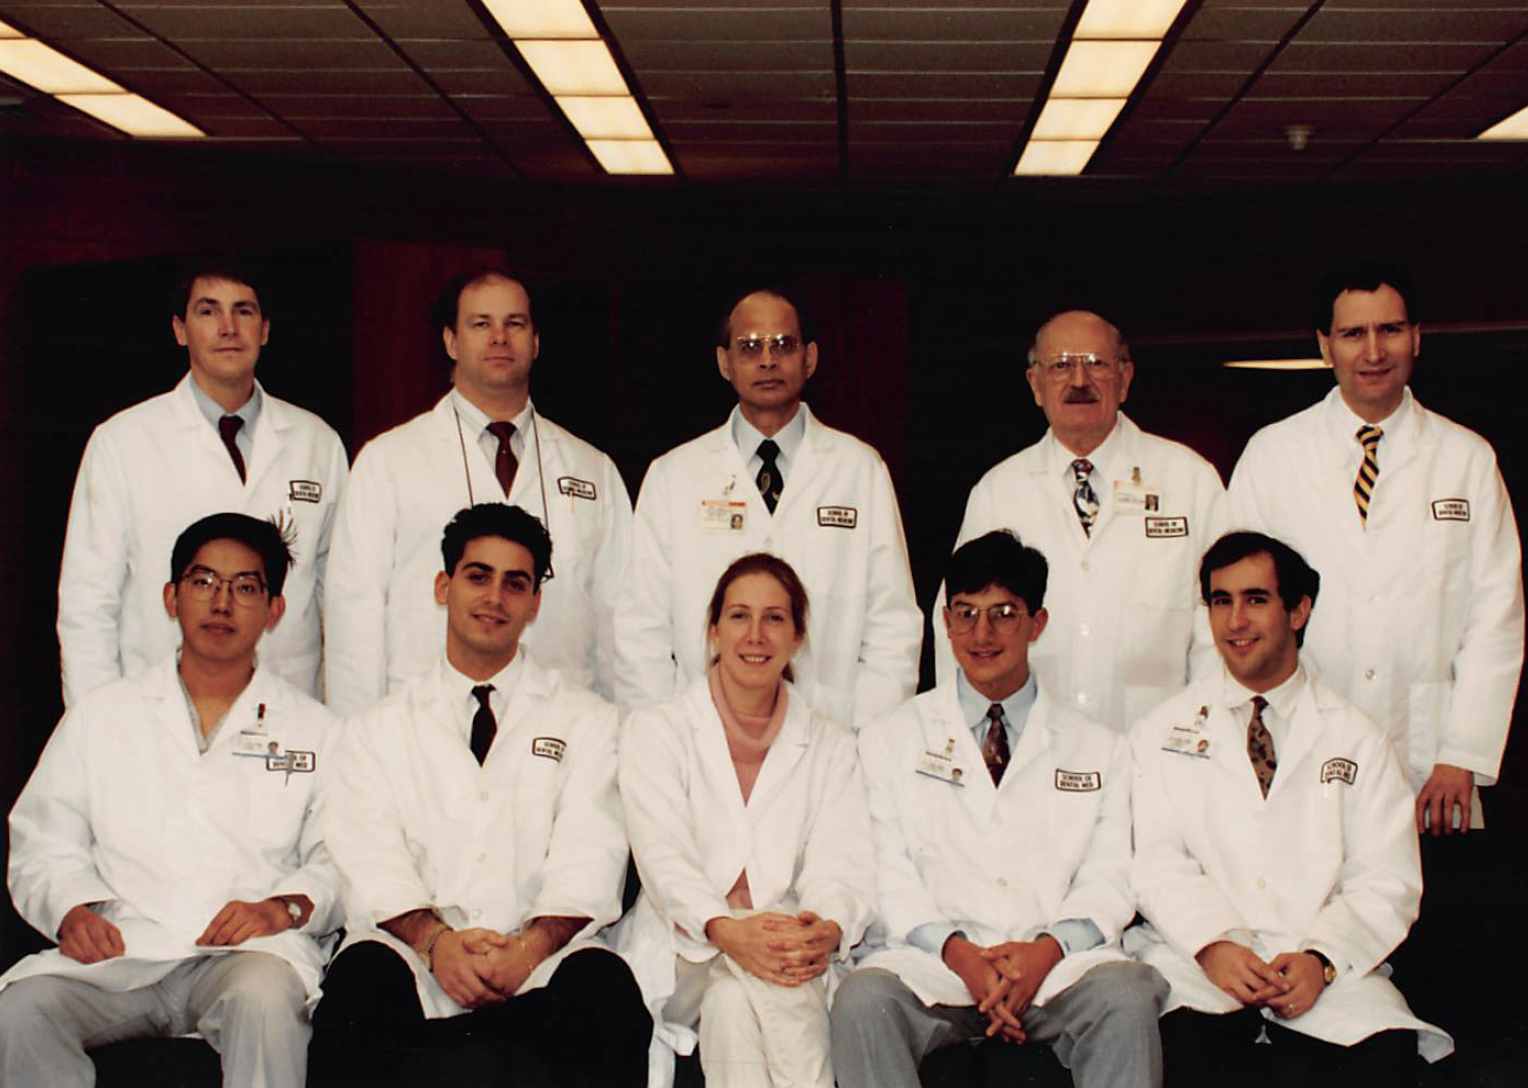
x=194, y=567
x=512, y=572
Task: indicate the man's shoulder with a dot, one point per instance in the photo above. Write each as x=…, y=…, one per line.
x=840, y=445
x=699, y=448
x=1172, y=455
x=299, y=418
x=1293, y=430
x=578, y=451
x=146, y=416
x=1340, y=716
x=1455, y=436
x=401, y=441
x=1012, y=471
x=1181, y=706
x=294, y=703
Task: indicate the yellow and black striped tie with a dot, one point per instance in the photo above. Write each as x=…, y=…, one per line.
x=1368, y=472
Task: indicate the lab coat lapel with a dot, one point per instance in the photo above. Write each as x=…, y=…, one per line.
x=803, y=466
x=977, y=793
x=170, y=706
x=268, y=437
x=1057, y=466
x=1303, y=731
x=711, y=746
x=784, y=754
x=461, y=456
x=189, y=417
x=733, y=483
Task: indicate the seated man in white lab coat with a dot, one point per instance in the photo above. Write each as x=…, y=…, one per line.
x=476, y=823
x=1002, y=834
x=215, y=442
x=772, y=478
x=170, y=839
x=1276, y=865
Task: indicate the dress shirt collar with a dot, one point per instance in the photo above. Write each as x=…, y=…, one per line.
x=789, y=438
x=212, y=411
x=1105, y=460
x=1344, y=422
x=1016, y=708
x=459, y=690
x=1282, y=701
x=475, y=421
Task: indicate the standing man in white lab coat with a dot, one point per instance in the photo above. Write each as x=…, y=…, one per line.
x=1123, y=517
x=477, y=826
x=170, y=840
x=772, y=478
x=1405, y=514
x=1002, y=832
x=217, y=441
x=1275, y=862
x=484, y=442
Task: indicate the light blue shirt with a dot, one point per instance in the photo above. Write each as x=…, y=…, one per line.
x=1072, y=934
x=788, y=438
x=249, y=413
x=475, y=421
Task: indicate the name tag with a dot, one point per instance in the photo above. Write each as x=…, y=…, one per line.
x=578, y=489
x=722, y=515
x=549, y=748
x=305, y=491
x=1339, y=770
x=1189, y=740
x=1162, y=528
x=838, y=517
x=1078, y=781
x=1451, y=509
x=942, y=767
x=293, y=762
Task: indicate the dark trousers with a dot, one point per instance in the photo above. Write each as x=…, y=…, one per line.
x=587, y=1027
x=1202, y=1048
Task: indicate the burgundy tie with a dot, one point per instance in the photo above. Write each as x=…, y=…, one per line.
x=995, y=749
x=228, y=427
x=504, y=464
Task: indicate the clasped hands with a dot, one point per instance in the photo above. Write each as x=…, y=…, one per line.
x=785, y=949
x=478, y=966
x=1289, y=984
x=1003, y=978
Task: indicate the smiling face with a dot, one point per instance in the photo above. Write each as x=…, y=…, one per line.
x=1080, y=404
x=768, y=380
x=222, y=630
x=1372, y=348
x=493, y=343
x=755, y=634
x=222, y=331
x=993, y=656
x=489, y=599
x=1253, y=631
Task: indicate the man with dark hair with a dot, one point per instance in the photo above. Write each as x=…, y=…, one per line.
x=170, y=839
x=484, y=442
x=475, y=819
x=1275, y=863
x=217, y=441
x=772, y=478
x=1123, y=516
x=1002, y=834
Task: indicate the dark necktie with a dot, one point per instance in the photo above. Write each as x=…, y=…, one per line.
x=1260, y=746
x=504, y=463
x=1084, y=499
x=228, y=428
x=995, y=747
x=769, y=473
x=1368, y=472
x=484, y=724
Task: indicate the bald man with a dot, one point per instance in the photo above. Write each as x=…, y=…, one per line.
x=1123, y=516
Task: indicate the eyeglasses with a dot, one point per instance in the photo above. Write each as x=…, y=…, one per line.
x=1062, y=366
x=247, y=589
x=1003, y=618
x=752, y=347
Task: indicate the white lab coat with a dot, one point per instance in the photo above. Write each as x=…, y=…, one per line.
x=148, y=472
x=1321, y=862
x=123, y=809
x=381, y=619
x=536, y=831
x=1126, y=619
x=803, y=838
x=1050, y=843
x=1420, y=617
x=837, y=524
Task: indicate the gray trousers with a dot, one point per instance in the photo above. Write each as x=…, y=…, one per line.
x=1103, y=1027
x=249, y=1006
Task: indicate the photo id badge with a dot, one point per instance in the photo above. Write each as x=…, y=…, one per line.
x=1133, y=497
x=722, y=515
x=941, y=766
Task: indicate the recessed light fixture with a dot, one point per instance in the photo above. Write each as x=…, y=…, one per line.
x=1276, y=364
x=1514, y=127
x=1076, y=118
x=542, y=18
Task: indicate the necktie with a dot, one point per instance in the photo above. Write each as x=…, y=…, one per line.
x=484, y=724
x=1260, y=746
x=995, y=747
x=504, y=463
x=769, y=480
x=1084, y=498
x=228, y=428
x=1368, y=472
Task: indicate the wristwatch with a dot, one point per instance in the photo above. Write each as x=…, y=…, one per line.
x=294, y=912
x=1328, y=972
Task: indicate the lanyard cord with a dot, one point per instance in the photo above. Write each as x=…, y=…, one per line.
x=546, y=516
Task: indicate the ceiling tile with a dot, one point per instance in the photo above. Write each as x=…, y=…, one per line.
x=294, y=19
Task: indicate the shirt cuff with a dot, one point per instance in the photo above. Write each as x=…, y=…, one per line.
x=931, y=936
x=1075, y=935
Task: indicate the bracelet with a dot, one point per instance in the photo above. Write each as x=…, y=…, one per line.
x=427, y=953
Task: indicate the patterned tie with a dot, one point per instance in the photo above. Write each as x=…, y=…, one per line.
x=769, y=473
x=228, y=428
x=1084, y=498
x=1368, y=472
x=504, y=464
x=484, y=725
x=1260, y=746
x=995, y=747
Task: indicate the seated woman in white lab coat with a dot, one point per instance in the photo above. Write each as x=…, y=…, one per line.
x=751, y=833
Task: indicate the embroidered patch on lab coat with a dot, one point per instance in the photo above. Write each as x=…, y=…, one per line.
x=1339, y=770
x=1451, y=509
x=1078, y=781
x=578, y=489
x=549, y=748
x=838, y=517
x=1158, y=528
x=293, y=762
x=305, y=491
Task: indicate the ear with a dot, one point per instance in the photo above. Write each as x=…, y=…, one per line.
x=1325, y=343
x=1126, y=372
x=811, y=358
x=724, y=364
x=1032, y=374
x=1299, y=616
x=535, y=606
x=169, y=600
x=945, y=612
x=1416, y=340
x=1038, y=620
x=277, y=610
x=448, y=337
x=265, y=332
x=442, y=584
x=535, y=346
x=179, y=328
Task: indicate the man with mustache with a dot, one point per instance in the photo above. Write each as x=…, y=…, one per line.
x=1123, y=517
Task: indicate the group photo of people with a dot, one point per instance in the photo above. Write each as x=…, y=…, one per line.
x=464, y=758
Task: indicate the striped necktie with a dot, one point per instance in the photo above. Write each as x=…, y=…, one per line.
x=1368, y=472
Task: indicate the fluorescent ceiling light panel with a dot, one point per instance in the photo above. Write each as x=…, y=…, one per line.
x=8, y=31
x=606, y=118
x=1076, y=118
x=1511, y=128
x=631, y=156
x=1102, y=69
x=1055, y=156
x=542, y=18
x=40, y=66
x=1276, y=364
x=1127, y=18
x=574, y=68
x=132, y=114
